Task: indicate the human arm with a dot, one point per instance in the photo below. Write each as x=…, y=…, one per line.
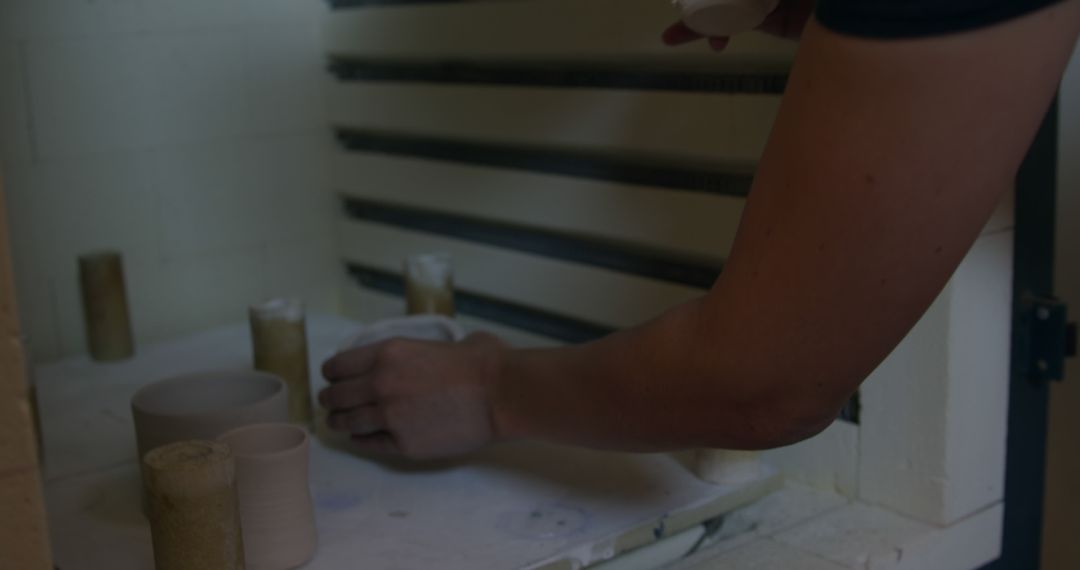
x=885, y=161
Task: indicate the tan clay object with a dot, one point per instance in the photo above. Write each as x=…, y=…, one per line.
x=105, y=308
x=279, y=342
x=272, y=487
x=194, y=522
x=727, y=467
x=203, y=406
x=429, y=285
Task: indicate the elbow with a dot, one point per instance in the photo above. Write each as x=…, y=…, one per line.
x=797, y=425
x=780, y=421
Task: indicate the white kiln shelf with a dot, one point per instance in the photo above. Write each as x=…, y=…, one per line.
x=514, y=506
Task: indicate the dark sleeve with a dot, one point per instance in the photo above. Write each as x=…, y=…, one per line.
x=914, y=18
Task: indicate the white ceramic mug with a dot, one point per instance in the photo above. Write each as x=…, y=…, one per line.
x=276, y=514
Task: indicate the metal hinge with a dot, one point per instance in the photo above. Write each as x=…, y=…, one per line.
x=1050, y=339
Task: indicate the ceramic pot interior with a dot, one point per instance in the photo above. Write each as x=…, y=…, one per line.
x=206, y=393
x=262, y=440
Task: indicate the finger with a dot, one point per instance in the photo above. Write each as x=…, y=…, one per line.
x=347, y=394
x=381, y=442
x=364, y=420
x=350, y=363
x=678, y=34
x=719, y=44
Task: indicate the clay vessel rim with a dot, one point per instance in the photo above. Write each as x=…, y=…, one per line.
x=303, y=442
x=143, y=400
x=279, y=308
x=215, y=452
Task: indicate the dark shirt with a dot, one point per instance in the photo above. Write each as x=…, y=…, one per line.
x=914, y=18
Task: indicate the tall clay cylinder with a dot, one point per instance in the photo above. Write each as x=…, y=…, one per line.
x=194, y=519
x=429, y=284
x=279, y=339
x=105, y=307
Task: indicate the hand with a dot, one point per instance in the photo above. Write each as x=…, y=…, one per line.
x=420, y=399
x=787, y=21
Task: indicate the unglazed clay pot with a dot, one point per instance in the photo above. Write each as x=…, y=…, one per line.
x=190, y=488
x=205, y=405
x=276, y=513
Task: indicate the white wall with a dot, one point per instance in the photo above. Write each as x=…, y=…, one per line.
x=1061, y=549
x=186, y=133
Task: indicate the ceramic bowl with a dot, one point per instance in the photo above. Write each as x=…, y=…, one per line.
x=204, y=405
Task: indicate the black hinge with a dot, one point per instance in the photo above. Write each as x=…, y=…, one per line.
x=1050, y=338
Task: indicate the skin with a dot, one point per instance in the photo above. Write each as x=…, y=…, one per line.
x=885, y=161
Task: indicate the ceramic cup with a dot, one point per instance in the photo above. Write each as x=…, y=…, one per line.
x=204, y=405
x=276, y=513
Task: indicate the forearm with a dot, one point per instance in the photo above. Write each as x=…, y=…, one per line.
x=679, y=381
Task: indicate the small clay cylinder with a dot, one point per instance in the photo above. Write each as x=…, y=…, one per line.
x=727, y=467
x=276, y=511
x=429, y=285
x=105, y=308
x=194, y=519
x=279, y=339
